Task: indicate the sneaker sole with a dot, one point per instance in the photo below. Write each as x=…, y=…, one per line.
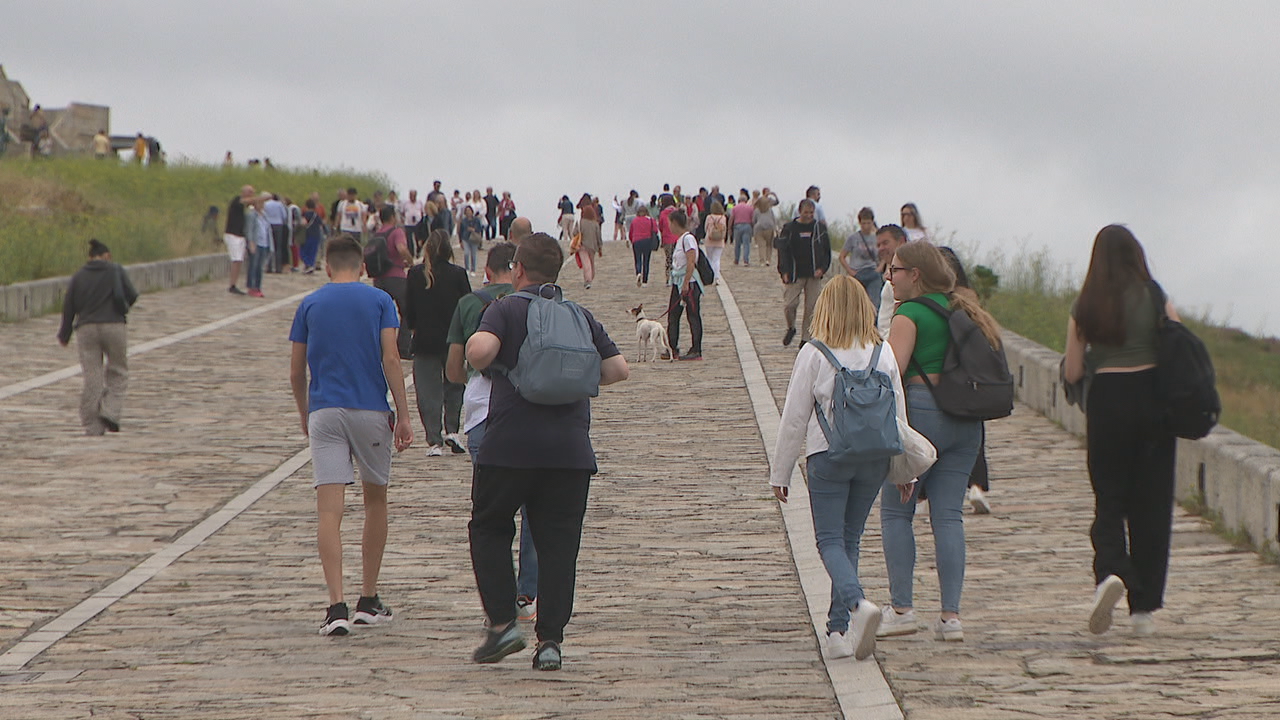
x=896, y=632
x=454, y=447
x=981, y=506
x=513, y=646
x=368, y=619
x=866, y=645
x=548, y=664
x=1104, y=606
x=336, y=628
x=949, y=635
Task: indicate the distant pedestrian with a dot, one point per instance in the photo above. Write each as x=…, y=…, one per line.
x=345, y=335
x=411, y=212
x=314, y=233
x=490, y=214
x=278, y=218
x=97, y=300
x=349, y=214
x=860, y=259
x=740, y=222
x=434, y=288
x=912, y=224
x=393, y=280
x=235, y=234
x=471, y=237
x=566, y=218
x=666, y=233
x=538, y=456
x=1112, y=346
x=101, y=145
x=716, y=227
x=590, y=245
x=258, y=240
x=643, y=234
x=139, y=149
x=764, y=227
x=804, y=256
x=686, y=288
x=506, y=214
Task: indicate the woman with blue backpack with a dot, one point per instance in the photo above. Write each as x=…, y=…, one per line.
x=924, y=286
x=845, y=403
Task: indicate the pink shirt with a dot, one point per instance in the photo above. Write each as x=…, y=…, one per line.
x=643, y=228
x=741, y=213
x=664, y=226
x=396, y=242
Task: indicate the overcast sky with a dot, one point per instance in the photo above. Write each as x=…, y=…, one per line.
x=1006, y=122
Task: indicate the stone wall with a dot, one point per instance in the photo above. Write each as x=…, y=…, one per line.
x=29, y=299
x=1237, y=478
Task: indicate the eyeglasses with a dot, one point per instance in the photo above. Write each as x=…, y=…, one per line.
x=894, y=268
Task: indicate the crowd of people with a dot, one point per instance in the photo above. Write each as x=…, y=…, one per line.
x=885, y=310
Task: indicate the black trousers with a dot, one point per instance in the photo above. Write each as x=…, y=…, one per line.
x=555, y=502
x=280, y=260
x=491, y=230
x=397, y=288
x=1131, y=467
x=692, y=307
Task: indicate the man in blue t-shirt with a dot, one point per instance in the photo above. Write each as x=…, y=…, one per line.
x=538, y=456
x=345, y=333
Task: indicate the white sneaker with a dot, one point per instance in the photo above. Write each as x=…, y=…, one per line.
x=948, y=630
x=1143, y=623
x=1104, y=601
x=838, y=645
x=435, y=451
x=862, y=629
x=638, y=278
x=978, y=500
x=893, y=623
x=454, y=443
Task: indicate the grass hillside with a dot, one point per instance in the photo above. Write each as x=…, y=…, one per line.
x=1033, y=298
x=49, y=209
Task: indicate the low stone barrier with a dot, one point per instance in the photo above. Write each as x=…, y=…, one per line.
x=1238, y=479
x=29, y=299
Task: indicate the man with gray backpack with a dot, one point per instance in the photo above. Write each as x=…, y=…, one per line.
x=547, y=357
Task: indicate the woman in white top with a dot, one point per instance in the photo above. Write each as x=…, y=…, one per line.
x=840, y=495
x=912, y=223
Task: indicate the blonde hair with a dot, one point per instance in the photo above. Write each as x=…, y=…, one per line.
x=844, y=316
x=936, y=276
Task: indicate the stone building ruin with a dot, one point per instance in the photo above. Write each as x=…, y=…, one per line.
x=71, y=128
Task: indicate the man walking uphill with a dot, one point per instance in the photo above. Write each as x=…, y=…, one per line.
x=535, y=455
x=804, y=256
x=98, y=298
x=345, y=334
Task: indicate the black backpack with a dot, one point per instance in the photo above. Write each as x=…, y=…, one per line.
x=1185, y=379
x=705, y=273
x=975, y=383
x=377, y=256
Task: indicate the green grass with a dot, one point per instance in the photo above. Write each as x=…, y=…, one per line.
x=49, y=209
x=1034, y=297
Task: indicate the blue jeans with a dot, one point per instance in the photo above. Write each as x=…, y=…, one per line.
x=641, y=251
x=840, y=497
x=257, y=263
x=742, y=243
x=527, y=573
x=946, y=482
x=470, y=254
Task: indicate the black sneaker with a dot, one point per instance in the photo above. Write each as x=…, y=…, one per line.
x=335, y=620
x=547, y=656
x=499, y=644
x=453, y=441
x=235, y=290
x=791, y=335
x=691, y=355
x=111, y=425
x=371, y=611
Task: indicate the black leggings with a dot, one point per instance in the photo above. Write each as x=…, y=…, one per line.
x=692, y=306
x=642, y=250
x=1131, y=467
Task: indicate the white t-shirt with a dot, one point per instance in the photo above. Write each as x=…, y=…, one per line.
x=679, y=259
x=411, y=212
x=887, y=306
x=475, y=401
x=914, y=234
x=349, y=215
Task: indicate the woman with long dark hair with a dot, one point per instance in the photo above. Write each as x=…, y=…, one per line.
x=1111, y=344
x=919, y=337
x=589, y=244
x=434, y=288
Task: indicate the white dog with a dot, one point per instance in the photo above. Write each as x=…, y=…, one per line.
x=651, y=337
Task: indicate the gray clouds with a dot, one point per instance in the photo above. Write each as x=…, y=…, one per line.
x=1002, y=120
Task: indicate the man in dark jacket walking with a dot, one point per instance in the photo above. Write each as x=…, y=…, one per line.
x=98, y=297
x=804, y=257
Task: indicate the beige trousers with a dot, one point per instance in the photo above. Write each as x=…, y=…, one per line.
x=764, y=246
x=810, y=286
x=104, y=387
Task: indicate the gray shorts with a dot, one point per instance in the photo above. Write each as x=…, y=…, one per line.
x=340, y=434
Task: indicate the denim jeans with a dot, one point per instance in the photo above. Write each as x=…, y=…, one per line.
x=742, y=243
x=946, y=483
x=257, y=263
x=470, y=254
x=527, y=572
x=641, y=251
x=840, y=497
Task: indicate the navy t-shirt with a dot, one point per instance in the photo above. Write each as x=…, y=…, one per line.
x=341, y=325
x=521, y=434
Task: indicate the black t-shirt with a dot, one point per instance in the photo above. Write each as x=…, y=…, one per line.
x=235, y=217
x=521, y=434
x=491, y=205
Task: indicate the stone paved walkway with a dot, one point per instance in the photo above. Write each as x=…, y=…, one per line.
x=689, y=604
